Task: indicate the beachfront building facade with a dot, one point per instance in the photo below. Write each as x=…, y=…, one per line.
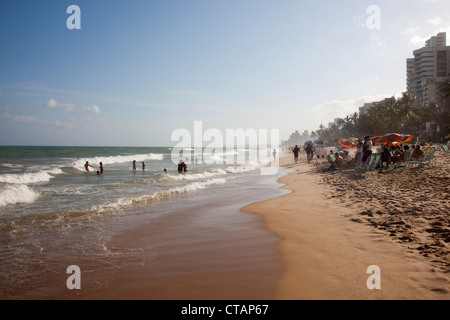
x=366, y=107
x=429, y=68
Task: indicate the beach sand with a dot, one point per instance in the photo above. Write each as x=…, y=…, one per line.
x=334, y=225
x=314, y=242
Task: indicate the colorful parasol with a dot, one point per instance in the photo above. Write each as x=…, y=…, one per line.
x=393, y=138
x=349, y=143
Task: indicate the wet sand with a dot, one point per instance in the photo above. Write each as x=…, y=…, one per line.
x=215, y=252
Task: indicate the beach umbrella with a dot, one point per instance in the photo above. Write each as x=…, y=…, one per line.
x=407, y=138
x=349, y=143
x=308, y=142
x=387, y=138
x=393, y=138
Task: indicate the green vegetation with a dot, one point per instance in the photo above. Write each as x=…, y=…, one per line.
x=394, y=115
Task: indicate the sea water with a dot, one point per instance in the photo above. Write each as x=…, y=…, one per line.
x=53, y=212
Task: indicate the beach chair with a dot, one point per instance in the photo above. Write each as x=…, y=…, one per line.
x=325, y=165
x=407, y=155
x=393, y=166
x=445, y=148
x=367, y=165
x=375, y=162
x=426, y=161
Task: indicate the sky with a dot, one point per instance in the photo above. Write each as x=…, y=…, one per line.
x=136, y=71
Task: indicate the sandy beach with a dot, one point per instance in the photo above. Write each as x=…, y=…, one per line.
x=334, y=225
x=316, y=241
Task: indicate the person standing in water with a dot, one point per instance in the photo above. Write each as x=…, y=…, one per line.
x=143, y=166
x=134, y=165
x=101, y=168
x=87, y=165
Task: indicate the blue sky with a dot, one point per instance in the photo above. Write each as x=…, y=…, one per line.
x=137, y=70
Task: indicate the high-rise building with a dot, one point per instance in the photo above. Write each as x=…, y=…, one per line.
x=428, y=69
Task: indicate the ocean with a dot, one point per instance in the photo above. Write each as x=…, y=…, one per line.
x=53, y=213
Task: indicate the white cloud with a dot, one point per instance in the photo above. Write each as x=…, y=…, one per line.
x=52, y=103
x=93, y=108
x=341, y=108
x=34, y=120
x=70, y=107
x=432, y=26
x=411, y=30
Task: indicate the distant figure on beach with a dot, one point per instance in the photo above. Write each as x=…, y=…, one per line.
x=339, y=161
x=397, y=154
x=182, y=167
x=385, y=156
x=101, y=168
x=165, y=170
x=309, y=152
x=87, y=165
x=274, y=154
x=359, y=148
x=134, y=165
x=417, y=153
x=143, y=166
x=296, y=151
x=367, y=148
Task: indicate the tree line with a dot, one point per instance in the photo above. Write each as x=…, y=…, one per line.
x=394, y=115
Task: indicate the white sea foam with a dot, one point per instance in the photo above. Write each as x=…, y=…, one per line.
x=79, y=163
x=195, y=176
x=30, y=177
x=126, y=202
x=12, y=194
x=244, y=168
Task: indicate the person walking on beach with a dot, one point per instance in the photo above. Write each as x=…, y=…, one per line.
x=367, y=148
x=309, y=152
x=296, y=151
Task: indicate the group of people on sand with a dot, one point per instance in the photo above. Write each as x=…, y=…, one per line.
x=309, y=149
x=364, y=148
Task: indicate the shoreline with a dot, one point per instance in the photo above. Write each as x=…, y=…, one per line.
x=209, y=252
x=302, y=243
x=326, y=248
